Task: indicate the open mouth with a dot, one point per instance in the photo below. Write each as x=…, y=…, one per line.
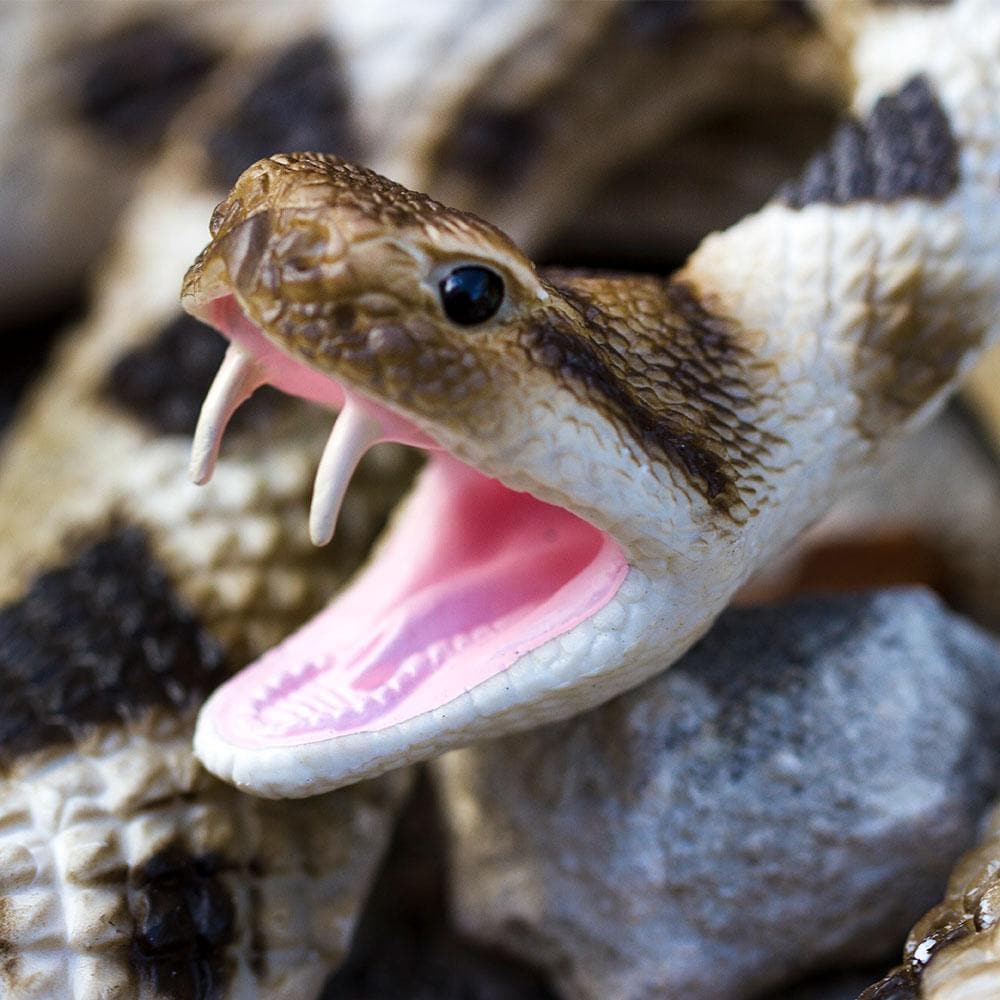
x=471, y=576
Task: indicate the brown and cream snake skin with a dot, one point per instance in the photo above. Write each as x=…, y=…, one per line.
x=697, y=422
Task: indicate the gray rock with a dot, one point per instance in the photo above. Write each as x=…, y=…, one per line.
x=788, y=797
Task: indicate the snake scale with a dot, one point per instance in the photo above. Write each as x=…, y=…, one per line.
x=675, y=432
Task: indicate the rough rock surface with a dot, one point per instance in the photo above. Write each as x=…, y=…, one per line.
x=788, y=797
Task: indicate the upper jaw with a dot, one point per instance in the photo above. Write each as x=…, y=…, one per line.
x=474, y=394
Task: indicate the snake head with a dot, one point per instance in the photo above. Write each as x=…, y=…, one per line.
x=372, y=284
x=514, y=586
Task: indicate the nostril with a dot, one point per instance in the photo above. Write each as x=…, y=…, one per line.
x=242, y=249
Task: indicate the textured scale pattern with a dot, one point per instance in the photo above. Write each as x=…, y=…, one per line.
x=163, y=382
x=107, y=623
x=98, y=844
x=126, y=870
x=881, y=296
x=905, y=148
x=316, y=179
x=241, y=552
x=670, y=374
x=125, y=867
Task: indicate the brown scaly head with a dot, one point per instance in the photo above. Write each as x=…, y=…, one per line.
x=341, y=268
x=436, y=314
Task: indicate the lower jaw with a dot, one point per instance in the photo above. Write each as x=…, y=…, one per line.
x=471, y=578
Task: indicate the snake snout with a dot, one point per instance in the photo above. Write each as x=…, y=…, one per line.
x=241, y=249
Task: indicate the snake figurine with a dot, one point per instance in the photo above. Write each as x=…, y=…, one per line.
x=611, y=455
x=184, y=897
x=126, y=870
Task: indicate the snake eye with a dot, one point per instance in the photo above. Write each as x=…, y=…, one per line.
x=471, y=294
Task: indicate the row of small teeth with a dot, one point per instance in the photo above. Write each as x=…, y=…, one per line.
x=343, y=706
x=339, y=707
x=354, y=432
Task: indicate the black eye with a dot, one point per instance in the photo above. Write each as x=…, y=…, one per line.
x=471, y=294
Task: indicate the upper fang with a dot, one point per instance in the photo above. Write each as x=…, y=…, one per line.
x=236, y=380
x=354, y=432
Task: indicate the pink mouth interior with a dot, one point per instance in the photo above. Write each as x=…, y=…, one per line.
x=472, y=577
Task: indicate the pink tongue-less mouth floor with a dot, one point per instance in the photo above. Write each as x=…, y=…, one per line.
x=472, y=576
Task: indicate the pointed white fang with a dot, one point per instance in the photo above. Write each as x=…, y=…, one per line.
x=353, y=434
x=236, y=380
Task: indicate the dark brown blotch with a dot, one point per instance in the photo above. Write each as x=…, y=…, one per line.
x=653, y=22
x=798, y=11
x=906, y=148
x=185, y=921
x=131, y=83
x=301, y=102
x=635, y=375
x=97, y=641
x=581, y=362
x=499, y=146
x=163, y=383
